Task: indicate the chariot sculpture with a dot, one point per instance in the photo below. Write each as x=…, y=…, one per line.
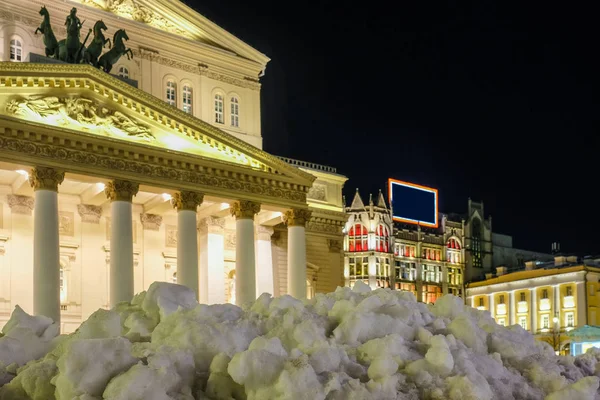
x=72, y=50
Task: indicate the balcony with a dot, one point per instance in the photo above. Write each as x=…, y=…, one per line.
x=568, y=302
x=522, y=307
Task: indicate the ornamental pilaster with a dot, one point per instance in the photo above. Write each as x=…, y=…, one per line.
x=245, y=209
x=264, y=232
x=335, y=246
x=43, y=178
x=211, y=225
x=297, y=217
x=89, y=213
x=186, y=200
x=20, y=204
x=151, y=222
x=121, y=190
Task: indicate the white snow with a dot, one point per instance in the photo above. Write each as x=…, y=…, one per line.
x=350, y=344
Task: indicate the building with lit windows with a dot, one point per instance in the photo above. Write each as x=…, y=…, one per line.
x=427, y=261
x=557, y=301
x=154, y=172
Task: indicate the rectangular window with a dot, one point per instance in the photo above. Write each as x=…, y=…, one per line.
x=522, y=296
x=481, y=302
x=235, y=112
x=170, y=95
x=219, y=109
x=545, y=322
x=544, y=293
x=569, y=291
x=187, y=99
x=523, y=322
x=501, y=299
x=570, y=320
x=502, y=321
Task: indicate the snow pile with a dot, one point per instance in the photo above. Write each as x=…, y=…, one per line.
x=350, y=344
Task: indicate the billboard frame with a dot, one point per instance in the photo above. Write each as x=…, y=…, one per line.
x=416, y=186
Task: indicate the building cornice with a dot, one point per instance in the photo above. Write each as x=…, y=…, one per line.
x=528, y=283
x=89, y=79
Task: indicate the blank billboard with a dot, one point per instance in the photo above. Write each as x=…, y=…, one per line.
x=413, y=204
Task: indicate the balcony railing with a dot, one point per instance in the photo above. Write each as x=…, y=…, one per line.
x=307, y=164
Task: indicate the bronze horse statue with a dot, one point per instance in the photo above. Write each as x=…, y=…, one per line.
x=70, y=48
x=110, y=58
x=49, y=39
x=94, y=50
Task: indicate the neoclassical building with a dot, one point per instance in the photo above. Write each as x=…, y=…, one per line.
x=154, y=172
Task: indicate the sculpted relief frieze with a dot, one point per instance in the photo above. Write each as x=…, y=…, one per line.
x=79, y=113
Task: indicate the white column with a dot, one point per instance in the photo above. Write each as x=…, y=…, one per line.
x=186, y=204
x=296, y=220
x=580, y=301
x=492, y=306
x=372, y=272
x=245, y=261
x=533, y=311
x=46, y=248
x=264, y=260
x=212, y=260
x=121, y=193
x=513, y=308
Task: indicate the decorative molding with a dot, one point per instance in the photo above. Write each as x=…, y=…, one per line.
x=66, y=223
x=3, y=240
x=244, y=209
x=135, y=11
x=171, y=236
x=69, y=250
x=230, y=239
x=325, y=225
x=318, y=192
x=151, y=222
x=8, y=16
x=264, y=232
x=211, y=225
x=79, y=77
x=335, y=246
x=296, y=217
x=20, y=204
x=121, y=190
x=89, y=213
x=186, y=200
x=42, y=178
x=78, y=112
x=95, y=156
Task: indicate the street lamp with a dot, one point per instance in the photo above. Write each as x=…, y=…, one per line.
x=556, y=334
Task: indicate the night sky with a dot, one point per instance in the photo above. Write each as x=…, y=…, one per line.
x=488, y=100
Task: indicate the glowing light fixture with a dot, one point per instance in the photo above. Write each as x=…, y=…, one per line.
x=166, y=196
x=23, y=173
x=100, y=186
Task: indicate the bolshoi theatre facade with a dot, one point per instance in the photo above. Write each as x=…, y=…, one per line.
x=153, y=171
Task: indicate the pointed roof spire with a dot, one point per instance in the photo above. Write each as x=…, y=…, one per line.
x=381, y=200
x=370, y=199
x=357, y=203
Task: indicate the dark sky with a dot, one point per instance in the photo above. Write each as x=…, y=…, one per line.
x=488, y=100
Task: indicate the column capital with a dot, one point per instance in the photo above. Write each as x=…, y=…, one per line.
x=186, y=200
x=89, y=213
x=245, y=209
x=44, y=178
x=121, y=190
x=264, y=232
x=20, y=204
x=211, y=225
x=150, y=222
x=296, y=217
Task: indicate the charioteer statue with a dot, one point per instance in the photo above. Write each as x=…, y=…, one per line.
x=73, y=51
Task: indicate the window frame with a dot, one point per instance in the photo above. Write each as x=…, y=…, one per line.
x=234, y=112
x=171, y=92
x=123, y=72
x=219, y=104
x=187, y=102
x=17, y=47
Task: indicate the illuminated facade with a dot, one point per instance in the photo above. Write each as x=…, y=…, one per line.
x=428, y=261
x=111, y=182
x=549, y=299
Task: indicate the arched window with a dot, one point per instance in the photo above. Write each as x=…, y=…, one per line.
x=476, y=243
x=186, y=100
x=63, y=285
x=219, y=109
x=235, y=112
x=453, y=251
x=171, y=93
x=383, y=239
x=16, y=50
x=123, y=72
x=358, y=238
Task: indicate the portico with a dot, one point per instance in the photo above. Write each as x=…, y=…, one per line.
x=167, y=198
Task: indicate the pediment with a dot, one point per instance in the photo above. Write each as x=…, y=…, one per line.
x=177, y=18
x=82, y=99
